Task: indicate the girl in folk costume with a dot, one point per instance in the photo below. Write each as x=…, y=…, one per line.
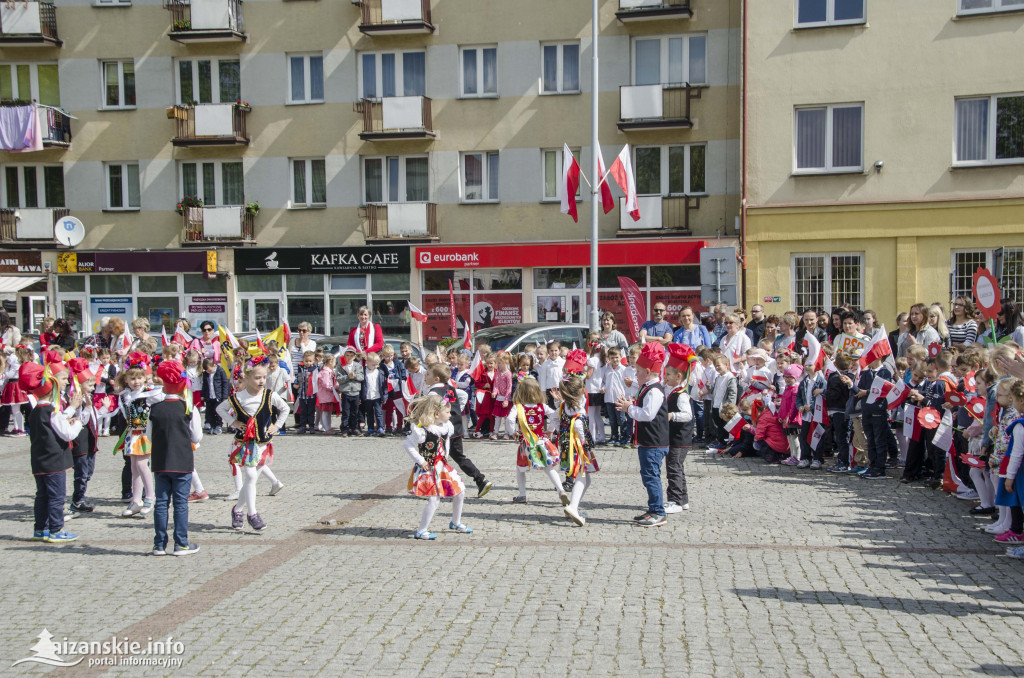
x=13, y=396
x=256, y=414
x=575, y=445
x=433, y=477
x=134, y=401
x=327, y=404
x=530, y=416
x=366, y=337
x=103, y=398
x=502, y=392
x=1009, y=491
x=194, y=369
x=485, y=398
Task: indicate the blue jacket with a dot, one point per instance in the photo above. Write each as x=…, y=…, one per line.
x=221, y=388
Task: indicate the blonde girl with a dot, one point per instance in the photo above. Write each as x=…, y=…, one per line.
x=575, y=444
x=937, y=319
x=14, y=397
x=430, y=430
x=256, y=414
x=531, y=418
x=327, y=404
x=502, y=393
x=594, y=384
x=135, y=400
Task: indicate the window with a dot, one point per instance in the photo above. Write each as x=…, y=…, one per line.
x=215, y=182
x=112, y=3
x=33, y=186
x=561, y=69
x=552, y=171
x=670, y=60
x=811, y=13
x=671, y=170
x=827, y=280
x=392, y=74
x=479, y=71
x=118, y=83
x=988, y=6
x=829, y=138
x=395, y=178
x=305, y=78
x=123, y=186
x=480, y=177
x=30, y=81
x=209, y=81
x=309, y=182
x=1006, y=262
x=990, y=130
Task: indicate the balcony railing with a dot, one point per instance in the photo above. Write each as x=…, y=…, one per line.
x=395, y=17
x=392, y=221
x=395, y=118
x=203, y=225
x=210, y=125
x=30, y=225
x=660, y=214
x=206, y=21
x=56, y=127
x=656, y=106
x=29, y=23
x=653, y=10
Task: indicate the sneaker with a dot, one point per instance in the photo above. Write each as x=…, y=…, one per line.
x=380, y=433
x=40, y=535
x=969, y=495
x=126, y=500
x=429, y=536
x=61, y=537
x=277, y=487
x=982, y=511
x=574, y=515
x=993, y=529
x=568, y=483
x=257, y=523
x=652, y=521
x=643, y=516
x=790, y=461
x=672, y=507
x=461, y=527
x=1008, y=537
x=863, y=470
x=483, y=487
x=237, y=519
x=199, y=496
x=158, y=551
x=217, y=431
x=186, y=550
x=82, y=507
x=520, y=500
x=803, y=463
x=856, y=470
x=685, y=507
x=70, y=514
x=233, y=496
x=131, y=511
x=838, y=468
x=147, y=508
x=873, y=474
x=564, y=498
x=1015, y=552
x=815, y=465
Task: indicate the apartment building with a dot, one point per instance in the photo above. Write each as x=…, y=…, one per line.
x=297, y=159
x=884, y=147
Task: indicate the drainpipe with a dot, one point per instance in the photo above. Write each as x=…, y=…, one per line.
x=743, y=159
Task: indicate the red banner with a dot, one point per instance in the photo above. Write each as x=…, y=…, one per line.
x=636, y=310
x=451, y=305
x=438, y=307
x=489, y=309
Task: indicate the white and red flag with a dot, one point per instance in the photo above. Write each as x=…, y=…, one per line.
x=416, y=313
x=816, y=434
x=181, y=336
x=943, y=438
x=876, y=349
x=815, y=356
x=911, y=426
x=897, y=395
x=735, y=426
x=477, y=367
x=820, y=415
x=622, y=172
x=607, y=201
x=164, y=341
x=570, y=182
x=467, y=339
x=879, y=389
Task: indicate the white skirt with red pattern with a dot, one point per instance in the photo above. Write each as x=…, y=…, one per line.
x=444, y=481
x=13, y=395
x=542, y=455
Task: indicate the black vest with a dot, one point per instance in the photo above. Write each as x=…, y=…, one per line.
x=264, y=416
x=432, y=447
x=652, y=433
x=679, y=434
x=86, y=442
x=171, y=441
x=446, y=390
x=49, y=453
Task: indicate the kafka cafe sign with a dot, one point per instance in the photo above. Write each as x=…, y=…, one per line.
x=296, y=260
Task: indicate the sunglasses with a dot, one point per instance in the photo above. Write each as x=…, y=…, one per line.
x=207, y=329
x=303, y=331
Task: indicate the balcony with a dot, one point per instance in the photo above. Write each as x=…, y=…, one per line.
x=210, y=125
x=658, y=215
x=28, y=23
x=202, y=226
x=415, y=221
x=56, y=127
x=395, y=17
x=395, y=118
x=206, y=21
x=30, y=226
x=653, y=10
x=647, y=107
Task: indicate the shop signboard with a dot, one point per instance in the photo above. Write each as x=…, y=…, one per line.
x=113, y=306
x=212, y=307
x=21, y=262
x=297, y=260
x=132, y=262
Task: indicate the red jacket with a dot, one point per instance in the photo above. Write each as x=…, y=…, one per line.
x=769, y=429
x=378, y=339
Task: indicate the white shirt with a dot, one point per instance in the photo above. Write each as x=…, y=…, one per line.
x=709, y=379
x=684, y=410
x=614, y=383
x=721, y=384
x=370, y=379
x=595, y=382
x=651, y=403
x=66, y=429
x=736, y=347
x=630, y=373
x=250, y=403
x=542, y=375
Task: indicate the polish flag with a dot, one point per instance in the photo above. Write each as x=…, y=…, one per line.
x=820, y=415
x=622, y=172
x=897, y=395
x=943, y=438
x=877, y=348
x=164, y=341
x=126, y=343
x=830, y=367
x=286, y=332
x=417, y=314
x=815, y=356
x=225, y=335
x=477, y=367
x=815, y=436
x=570, y=182
x=607, y=201
x=879, y=389
x=911, y=427
x=467, y=339
x=259, y=342
x=181, y=336
x=735, y=426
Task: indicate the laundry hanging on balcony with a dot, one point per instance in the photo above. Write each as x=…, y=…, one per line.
x=21, y=130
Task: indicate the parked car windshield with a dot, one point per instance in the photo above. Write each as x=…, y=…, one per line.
x=499, y=338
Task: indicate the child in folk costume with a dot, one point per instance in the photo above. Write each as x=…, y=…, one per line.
x=485, y=397
x=256, y=414
x=680, y=424
x=135, y=400
x=103, y=398
x=327, y=404
x=575, y=445
x=432, y=477
x=85, y=445
x=530, y=416
x=437, y=381
x=502, y=393
x=13, y=396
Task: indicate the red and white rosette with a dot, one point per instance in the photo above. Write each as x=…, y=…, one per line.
x=928, y=417
x=976, y=407
x=970, y=383
x=934, y=349
x=987, y=294
x=972, y=461
x=957, y=399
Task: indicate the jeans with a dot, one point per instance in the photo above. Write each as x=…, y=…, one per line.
x=650, y=474
x=841, y=437
x=49, y=505
x=698, y=416
x=674, y=461
x=876, y=428
x=171, y=487
x=374, y=412
x=213, y=419
x=617, y=422
x=349, y=413
x=85, y=464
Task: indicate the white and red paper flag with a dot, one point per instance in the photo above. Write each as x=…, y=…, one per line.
x=416, y=313
x=876, y=349
x=570, y=182
x=622, y=172
x=735, y=426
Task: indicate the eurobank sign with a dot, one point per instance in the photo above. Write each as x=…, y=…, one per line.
x=560, y=253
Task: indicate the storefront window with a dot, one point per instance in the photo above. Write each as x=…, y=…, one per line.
x=159, y=311
x=347, y=282
x=110, y=284
x=437, y=281
x=71, y=310
x=392, y=312
x=71, y=283
x=197, y=283
x=675, y=276
x=157, y=283
x=557, y=278
x=305, y=283
x=498, y=279
x=307, y=309
x=258, y=283
x=609, y=276
x=344, y=313
x=390, y=282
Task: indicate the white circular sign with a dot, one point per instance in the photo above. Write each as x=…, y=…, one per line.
x=69, y=231
x=986, y=293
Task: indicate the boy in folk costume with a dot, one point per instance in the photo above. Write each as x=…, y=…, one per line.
x=680, y=423
x=85, y=445
x=652, y=436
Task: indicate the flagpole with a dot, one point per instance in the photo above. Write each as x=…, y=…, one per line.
x=595, y=324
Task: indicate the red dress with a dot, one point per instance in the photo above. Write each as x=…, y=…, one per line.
x=485, y=405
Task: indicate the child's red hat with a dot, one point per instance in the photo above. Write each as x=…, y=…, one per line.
x=652, y=356
x=173, y=375
x=31, y=379
x=680, y=356
x=576, y=362
x=80, y=368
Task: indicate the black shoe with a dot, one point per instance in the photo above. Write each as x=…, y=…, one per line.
x=643, y=516
x=891, y=463
x=873, y=474
x=567, y=484
x=483, y=487
x=980, y=511
x=82, y=507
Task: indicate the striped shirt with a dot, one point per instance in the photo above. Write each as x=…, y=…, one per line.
x=966, y=333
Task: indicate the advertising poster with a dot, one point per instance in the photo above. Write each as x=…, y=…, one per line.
x=438, y=324
x=491, y=309
x=112, y=306
x=675, y=300
x=202, y=307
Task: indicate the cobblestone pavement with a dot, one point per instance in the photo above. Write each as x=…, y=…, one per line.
x=773, y=571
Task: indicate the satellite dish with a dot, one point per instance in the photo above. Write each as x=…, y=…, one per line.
x=69, y=231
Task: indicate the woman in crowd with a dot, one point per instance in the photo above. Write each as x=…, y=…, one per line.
x=367, y=336
x=963, y=329
x=919, y=331
x=610, y=336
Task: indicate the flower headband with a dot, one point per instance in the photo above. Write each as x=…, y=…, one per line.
x=258, y=360
x=141, y=361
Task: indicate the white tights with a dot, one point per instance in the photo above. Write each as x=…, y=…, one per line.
x=197, y=484
x=325, y=420
x=549, y=472
x=578, y=489
x=986, y=491
x=238, y=476
x=431, y=507
x=142, y=479
x=19, y=418
x=247, y=493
